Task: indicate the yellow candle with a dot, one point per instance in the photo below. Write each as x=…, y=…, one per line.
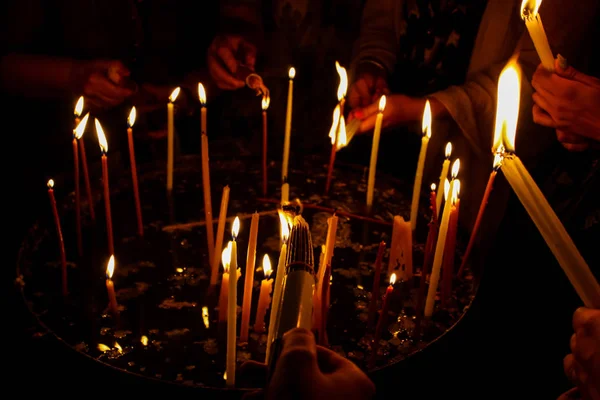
x=443, y=176
x=220, y=233
x=374, y=152
x=224, y=294
x=210, y=238
x=110, y=287
x=401, y=249
x=327, y=257
x=533, y=22
x=249, y=279
x=434, y=278
x=285, y=193
x=288, y=126
x=264, y=300
x=171, y=138
x=285, y=234
x=414, y=207
x=232, y=308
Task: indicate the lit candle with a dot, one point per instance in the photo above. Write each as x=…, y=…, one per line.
x=439, y=249
x=288, y=126
x=206, y=188
x=104, y=149
x=280, y=274
x=77, y=134
x=375, y=291
x=61, y=243
x=482, y=206
x=205, y=317
x=171, y=138
x=264, y=300
x=232, y=307
x=433, y=202
x=134, y=177
x=249, y=279
x=430, y=244
x=327, y=257
x=374, y=152
x=110, y=287
x=400, y=261
x=265, y=105
x=414, y=207
x=224, y=293
x=285, y=192
x=382, y=319
x=78, y=109
x=443, y=176
x=220, y=233
x=450, y=250
x=530, y=195
x=533, y=22
x=84, y=165
x=338, y=127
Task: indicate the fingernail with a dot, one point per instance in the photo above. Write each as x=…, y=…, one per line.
x=562, y=62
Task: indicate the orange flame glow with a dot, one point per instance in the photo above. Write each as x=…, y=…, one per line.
x=427, y=120
x=80, y=129
x=226, y=258
x=51, y=183
x=266, y=264
x=174, y=94
x=507, y=112
x=201, y=94
x=292, y=73
x=433, y=187
x=131, y=118
x=455, y=191
x=101, y=136
x=266, y=100
x=236, y=227
x=343, y=86
x=382, y=102
x=79, y=107
x=110, y=267
x=285, y=226
x=529, y=8
x=448, y=150
x=392, y=279
x=144, y=340
x=446, y=189
x=455, y=168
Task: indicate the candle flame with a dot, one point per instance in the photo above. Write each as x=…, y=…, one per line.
x=225, y=375
x=201, y=93
x=131, y=118
x=507, y=112
x=174, y=95
x=335, y=123
x=292, y=73
x=392, y=279
x=51, y=183
x=342, y=139
x=455, y=191
x=285, y=226
x=101, y=136
x=144, y=340
x=433, y=187
x=110, y=267
x=266, y=264
x=446, y=189
x=103, y=348
x=455, y=168
x=118, y=347
x=236, y=227
x=226, y=258
x=79, y=107
x=382, y=102
x=497, y=160
x=343, y=86
x=427, y=120
x=266, y=100
x=448, y=150
x=338, y=129
x=205, y=318
x=529, y=8
x=80, y=129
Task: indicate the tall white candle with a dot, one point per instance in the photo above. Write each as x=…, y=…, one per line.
x=171, y=138
x=206, y=188
x=414, y=207
x=533, y=22
x=443, y=176
x=220, y=233
x=232, y=308
x=374, y=152
x=288, y=126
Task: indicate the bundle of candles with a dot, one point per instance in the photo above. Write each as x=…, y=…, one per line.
x=311, y=290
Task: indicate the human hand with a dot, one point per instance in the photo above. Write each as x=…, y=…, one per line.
x=103, y=83
x=399, y=109
x=568, y=101
x=307, y=371
x=224, y=55
x=582, y=366
x=369, y=85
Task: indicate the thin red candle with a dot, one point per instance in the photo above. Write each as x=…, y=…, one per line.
x=482, y=206
x=265, y=105
x=61, y=243
x=104, y=149
x=375, y=291
x=432, y=202
x=77, y=134
x=325, y=288
x=382, y=319
x=134, y=177
x=450, y=251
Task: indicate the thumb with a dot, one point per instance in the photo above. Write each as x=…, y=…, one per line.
x=564, y=70
x=299, y=354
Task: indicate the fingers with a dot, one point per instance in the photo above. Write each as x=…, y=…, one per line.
x=571, y=142
x=344, y=376
x=543, y=103
x=569, y=368
x=541, y=117
x=360, y=94
x=104, y=91
x=587, y=319
x=222, y=65
x=117, y=72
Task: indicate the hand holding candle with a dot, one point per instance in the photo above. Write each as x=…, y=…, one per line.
x=104, y=148
x=264, y=300
x=375, y=152
x=288, y=126
x=414, y=207
x=533, y=21
x=134, y=177
x=110, y=287
x=61, y=243
x=171, y=138
x=206, y=188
